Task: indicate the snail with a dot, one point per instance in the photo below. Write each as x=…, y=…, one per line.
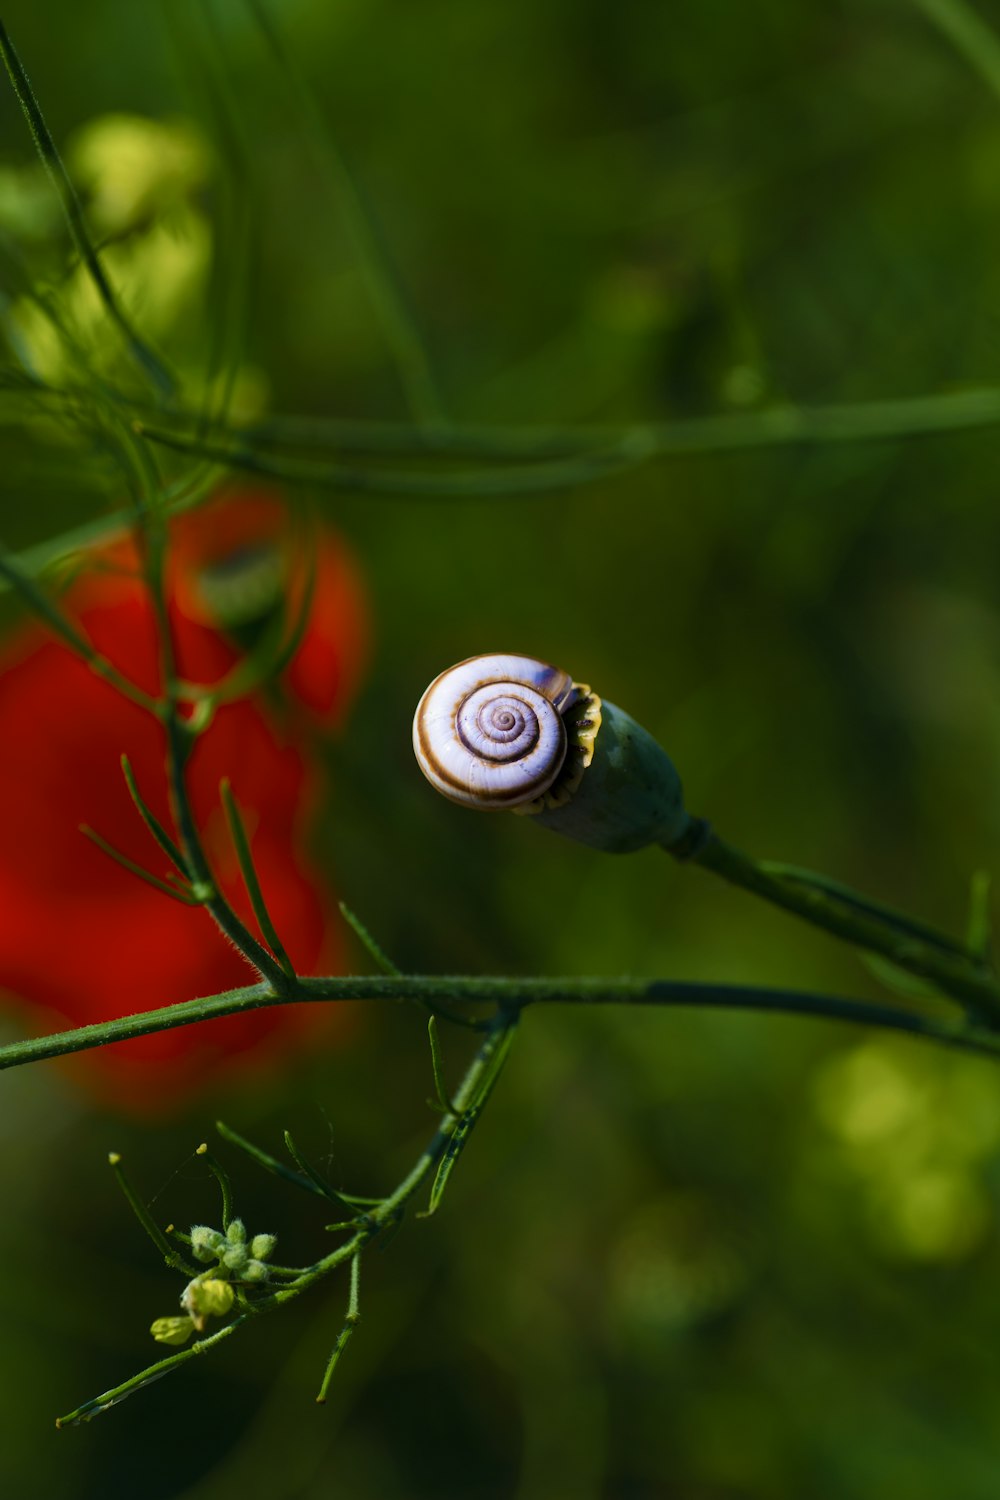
x=510, y=732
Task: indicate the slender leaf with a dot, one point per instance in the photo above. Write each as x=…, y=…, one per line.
x=264, y=1159
x=318, y=1181
x=843, y=894
x=155, y=827
x=241, y=844
x=467, y=1120
x=172, y=1257
x=437, y=1065
x=377, y=954
x=897, y=980
x=221, y=1176
x=187, y=895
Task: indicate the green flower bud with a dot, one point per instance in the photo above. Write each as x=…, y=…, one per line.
x=211, y=1298
x=235, y=1258
x=206, y=1244
x=172, y=1330
x=236, y=1233
x=511, y=732
x=255, y=1270
x=262, y=1246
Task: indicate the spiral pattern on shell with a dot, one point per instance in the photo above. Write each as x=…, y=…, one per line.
x=489, y=732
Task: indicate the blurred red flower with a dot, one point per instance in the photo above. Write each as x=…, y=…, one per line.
x=237, y=563
x=81, y=939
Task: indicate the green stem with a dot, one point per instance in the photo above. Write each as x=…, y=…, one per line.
x=110, y=1398
x=963, y=978
x=510, y=993
x=216, y=905
x=151, y=525
x=197, y=862
x=171, y=1256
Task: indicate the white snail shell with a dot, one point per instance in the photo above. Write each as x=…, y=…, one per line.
x=489, y=732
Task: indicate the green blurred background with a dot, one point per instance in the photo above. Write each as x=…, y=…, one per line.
x=686, y=1257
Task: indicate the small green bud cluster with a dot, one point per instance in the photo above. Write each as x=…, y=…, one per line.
x=212, y=1296
x=242, y=1259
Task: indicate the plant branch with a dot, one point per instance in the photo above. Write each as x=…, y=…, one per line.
x=475, y=1087
x=162, y=1367
x=201, y=873
x=151, y=525
x=512, y=993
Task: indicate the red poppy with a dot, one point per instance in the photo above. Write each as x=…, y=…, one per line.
x=80, y=937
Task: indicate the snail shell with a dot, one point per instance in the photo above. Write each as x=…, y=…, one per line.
x=490, y=732
x=512, y=732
